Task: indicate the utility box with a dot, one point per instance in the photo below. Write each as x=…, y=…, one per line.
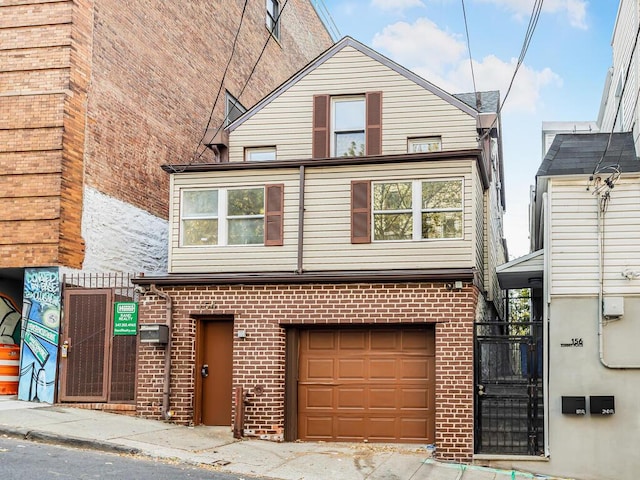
x=602, y=405
x=154, y=333
x=613, y=307
x=574, y=406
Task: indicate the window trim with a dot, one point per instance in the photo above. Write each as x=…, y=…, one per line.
x=270, y=148
x=271, y=20
x=332, y=123
x=417, y=210
x=426, y=139
x=223, y=216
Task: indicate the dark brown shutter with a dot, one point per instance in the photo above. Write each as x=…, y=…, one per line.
x=374, y=123
x=273, y=215
x=320, y=141
x=360, y=211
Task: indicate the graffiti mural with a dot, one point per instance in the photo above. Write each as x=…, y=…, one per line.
x=9, y=321
x=40, y=333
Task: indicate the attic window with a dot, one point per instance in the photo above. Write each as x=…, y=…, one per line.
x=259, y=154
x=425, y=144
x=348, y=126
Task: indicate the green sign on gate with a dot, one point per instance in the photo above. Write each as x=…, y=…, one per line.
x=125, y=318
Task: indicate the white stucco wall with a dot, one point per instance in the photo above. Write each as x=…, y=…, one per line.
x=122, y=238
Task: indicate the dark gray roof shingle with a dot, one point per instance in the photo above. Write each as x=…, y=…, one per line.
x=574, y=154
x=489, y=101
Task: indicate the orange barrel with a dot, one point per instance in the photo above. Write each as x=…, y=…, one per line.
x=9, y=369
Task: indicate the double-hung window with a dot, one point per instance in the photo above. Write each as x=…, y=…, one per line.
x=348, y=125
x=417, y=209
x=273, y=17
x=227, y=216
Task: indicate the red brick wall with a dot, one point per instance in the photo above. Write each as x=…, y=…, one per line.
x=101, y=93
x=261, y=310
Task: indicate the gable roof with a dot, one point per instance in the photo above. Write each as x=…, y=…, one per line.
x=350, y=42
x=580, y=153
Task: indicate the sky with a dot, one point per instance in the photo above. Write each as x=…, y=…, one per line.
x=561, y=79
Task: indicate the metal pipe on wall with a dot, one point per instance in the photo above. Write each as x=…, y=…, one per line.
x=166, y=391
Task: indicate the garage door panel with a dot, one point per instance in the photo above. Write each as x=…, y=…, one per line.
x=351, y=398
x=382, y=398
x=316, y=397
x=385, y=340
x=383, y=368
x=322, y=340
x=352, y=340
x=318, y=368
x=416, y=368
x=356, y=392
x=351, y=368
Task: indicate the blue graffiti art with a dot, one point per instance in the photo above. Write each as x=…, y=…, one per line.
x=40, y=333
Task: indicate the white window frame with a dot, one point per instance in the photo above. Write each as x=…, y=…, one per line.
x=423, y=142
x=223, y=217
x=273, y=18
x=417, y=210
x=334, y=132
x=248, y=151
x=184, y=217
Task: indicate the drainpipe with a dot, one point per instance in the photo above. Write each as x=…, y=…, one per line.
x=601, y=205
x=301, y=221
x=166, y=412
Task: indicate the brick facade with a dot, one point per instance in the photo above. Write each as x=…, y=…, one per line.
x=94, y=93
x=264, y=311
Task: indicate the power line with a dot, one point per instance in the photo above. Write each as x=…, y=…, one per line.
x=533, y=22
x=466, y=28
x=255, y=65
x=233, y=49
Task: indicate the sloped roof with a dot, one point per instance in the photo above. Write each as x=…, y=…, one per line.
x=484, y=102
x=463, y=101
x=523, y=272
x=577, y=154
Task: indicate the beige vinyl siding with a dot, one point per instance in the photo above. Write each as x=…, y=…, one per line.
x=480, y=229
x=327, y=221
x=574, y=234
x=408, y=110
x=245, y=258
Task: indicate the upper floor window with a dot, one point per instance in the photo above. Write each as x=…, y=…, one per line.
x=233, y=109
x=273, y=20
x=232, y=216
x=348, y=126
x=407, y=210
x=425, y=144
x=259, y=154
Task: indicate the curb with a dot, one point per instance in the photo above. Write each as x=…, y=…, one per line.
x=45, y=437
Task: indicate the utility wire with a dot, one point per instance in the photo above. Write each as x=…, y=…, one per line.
x=233, y=49
x=466, y=28
x=533, y=22
x=255, y=65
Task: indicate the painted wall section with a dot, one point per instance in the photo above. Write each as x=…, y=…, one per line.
x=40, y=335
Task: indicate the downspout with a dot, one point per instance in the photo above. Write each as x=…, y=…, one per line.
x=301, y=221
x=166, y=412
x=546, y=301
x=601, y=205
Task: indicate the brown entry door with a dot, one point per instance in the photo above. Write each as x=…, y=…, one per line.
x=374, y=384
x=214, y=371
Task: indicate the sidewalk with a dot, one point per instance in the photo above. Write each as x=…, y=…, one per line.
x=215, y=446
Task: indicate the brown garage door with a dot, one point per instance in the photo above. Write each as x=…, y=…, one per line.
x=374, y=384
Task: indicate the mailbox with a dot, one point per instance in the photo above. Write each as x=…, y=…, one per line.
x=574, y=405
x=154, y=333
x=602, y=405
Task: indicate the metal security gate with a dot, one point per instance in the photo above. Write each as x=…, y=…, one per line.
x=96, y=366
x=509, y=398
